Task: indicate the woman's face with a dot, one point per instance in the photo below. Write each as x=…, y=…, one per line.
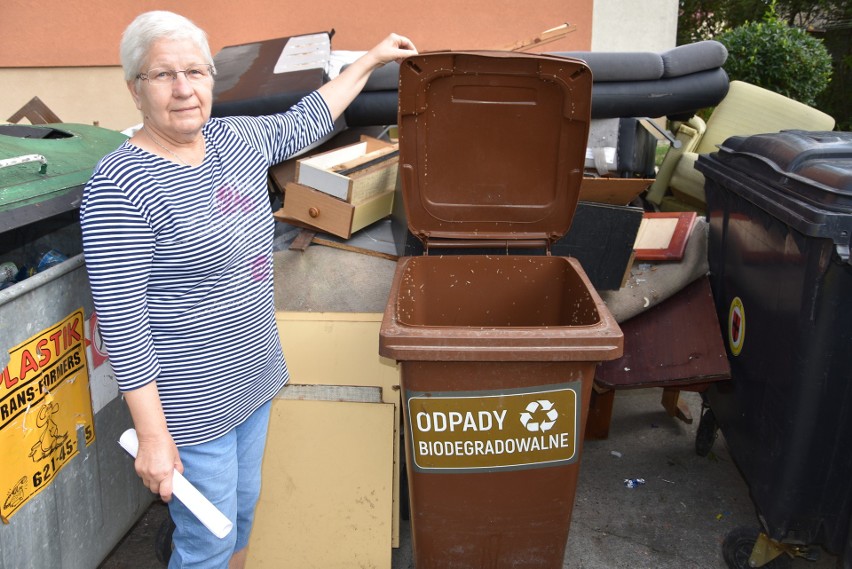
x=176, y=110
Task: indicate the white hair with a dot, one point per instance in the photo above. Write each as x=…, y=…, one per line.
x=151, y=27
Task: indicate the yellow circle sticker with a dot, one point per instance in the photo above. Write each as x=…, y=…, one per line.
x=736, y=326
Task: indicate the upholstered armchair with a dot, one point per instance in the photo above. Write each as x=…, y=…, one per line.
x=745, y=110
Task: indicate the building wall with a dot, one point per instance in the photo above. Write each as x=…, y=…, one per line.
x=88, y=95
x=627, y=25
x=69, y=59
x=87, y=32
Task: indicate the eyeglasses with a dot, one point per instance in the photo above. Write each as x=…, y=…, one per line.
x=162, y=76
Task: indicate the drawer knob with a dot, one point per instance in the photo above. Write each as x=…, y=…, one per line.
x=313, y=212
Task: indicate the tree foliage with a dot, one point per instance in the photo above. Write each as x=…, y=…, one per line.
x=777, y=56
x=830, y=20
x=704, y=19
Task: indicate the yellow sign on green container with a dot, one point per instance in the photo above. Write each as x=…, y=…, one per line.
x=45, y=411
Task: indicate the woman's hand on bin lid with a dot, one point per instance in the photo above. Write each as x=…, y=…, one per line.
x=342, y=90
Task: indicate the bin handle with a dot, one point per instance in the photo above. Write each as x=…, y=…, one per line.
x=6, y=163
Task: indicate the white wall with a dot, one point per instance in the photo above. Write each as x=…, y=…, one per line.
x=634, y=25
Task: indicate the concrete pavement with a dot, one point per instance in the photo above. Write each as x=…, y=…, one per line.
x=676, y=520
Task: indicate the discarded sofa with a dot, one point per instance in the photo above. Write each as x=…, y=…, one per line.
x=675, y=83
x=256, y=78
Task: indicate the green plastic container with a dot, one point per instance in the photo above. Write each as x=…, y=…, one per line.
x=44, y=168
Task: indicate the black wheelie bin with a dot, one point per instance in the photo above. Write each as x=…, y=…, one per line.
x=780, y=215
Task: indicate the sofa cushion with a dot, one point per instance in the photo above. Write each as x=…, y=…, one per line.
x=619, y=66
x=606, y=66
x=675, y=97
x=693, y=57
x=384, y=78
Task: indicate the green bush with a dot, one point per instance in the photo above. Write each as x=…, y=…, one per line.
x=778, y=57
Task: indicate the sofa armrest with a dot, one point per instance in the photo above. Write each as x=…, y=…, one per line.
x=689, y=134
x=687, y=183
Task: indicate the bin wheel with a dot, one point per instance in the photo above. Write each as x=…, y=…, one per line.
x=705, y=435
x=737, y=548
x=163, y=540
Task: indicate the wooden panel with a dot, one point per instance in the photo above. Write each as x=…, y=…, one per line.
x=337, y=349
x=372, y=210
x=614, y=191
x=678, y=342
x=343, y=349
x=327, y=487
x=372, y=181
x=353, y=173
x=36, y=112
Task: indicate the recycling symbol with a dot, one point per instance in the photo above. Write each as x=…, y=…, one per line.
x=546, y=407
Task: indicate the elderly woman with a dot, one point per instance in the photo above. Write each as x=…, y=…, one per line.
x=177, y=235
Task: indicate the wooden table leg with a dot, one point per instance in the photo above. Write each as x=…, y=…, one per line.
x=600, y=414
x=674, y=406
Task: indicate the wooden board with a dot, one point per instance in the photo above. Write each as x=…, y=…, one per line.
x=676, y=343
x=614, y=191
x=343, y=349
x=326, y=498
x=601, y=238
x=345, y=246
x=662, y=236
x=354, y=173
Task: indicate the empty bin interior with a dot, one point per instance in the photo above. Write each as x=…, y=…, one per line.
x=493, y=292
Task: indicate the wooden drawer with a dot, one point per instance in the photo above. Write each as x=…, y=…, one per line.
x=355, y=173
x=307, y=206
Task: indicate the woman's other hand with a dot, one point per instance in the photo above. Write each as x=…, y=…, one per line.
x=157, y=457
x=156, y=460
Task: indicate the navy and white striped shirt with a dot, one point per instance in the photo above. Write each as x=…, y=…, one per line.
x=180, y=266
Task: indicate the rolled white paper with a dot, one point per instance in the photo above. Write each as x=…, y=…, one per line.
x=201, y=507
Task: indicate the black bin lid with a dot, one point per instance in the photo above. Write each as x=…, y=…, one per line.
x=802, y=178
x=492, y=144
x=815, y=167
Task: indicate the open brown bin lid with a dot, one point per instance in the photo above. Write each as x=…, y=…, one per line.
x=492, y=144
x=492, y=148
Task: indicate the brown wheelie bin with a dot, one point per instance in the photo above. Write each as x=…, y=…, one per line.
x=497, y=340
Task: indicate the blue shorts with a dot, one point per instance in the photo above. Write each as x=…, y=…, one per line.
x=227, y=471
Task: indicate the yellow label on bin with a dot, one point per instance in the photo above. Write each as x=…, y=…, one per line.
x=474, y=431
x=45, y=411
x=736, y=326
